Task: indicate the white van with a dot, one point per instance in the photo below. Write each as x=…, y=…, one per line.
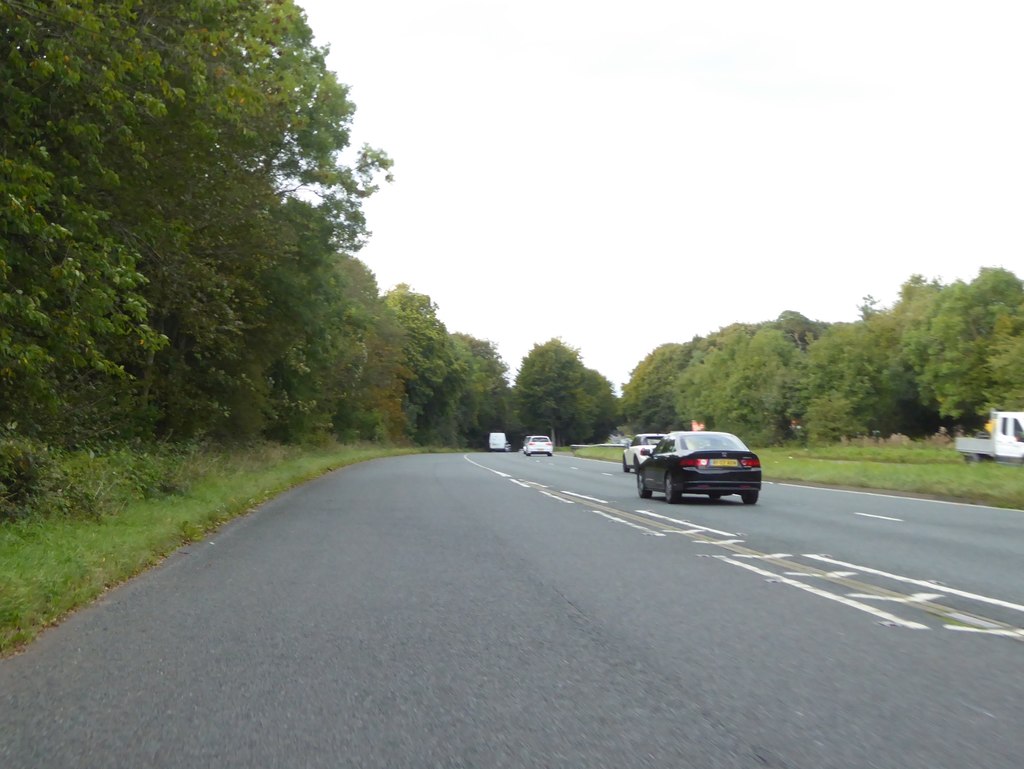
x=497, y=442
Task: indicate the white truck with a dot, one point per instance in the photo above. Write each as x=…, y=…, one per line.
x=1002, y=441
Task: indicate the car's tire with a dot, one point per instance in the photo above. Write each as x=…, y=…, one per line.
x=636, y=465
x=551, y=454
x=672, y=494
x=642, y=490
x=625, y=467
x=749, y=497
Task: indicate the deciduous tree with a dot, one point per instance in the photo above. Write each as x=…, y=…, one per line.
x=554, y=392
x=952, y=345
x=437, y=376
x=649, y=397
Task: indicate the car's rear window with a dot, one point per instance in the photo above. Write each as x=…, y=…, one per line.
x=712, y=443
x=651, y=439
x=540, y=439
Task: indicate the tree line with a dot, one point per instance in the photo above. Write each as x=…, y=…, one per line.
x=180, y=222
x=180, y=218
x=940, y=358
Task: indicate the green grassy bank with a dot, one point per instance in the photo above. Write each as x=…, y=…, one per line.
x=53, y=564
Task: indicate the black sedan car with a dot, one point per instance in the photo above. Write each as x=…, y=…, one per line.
x=709, y=463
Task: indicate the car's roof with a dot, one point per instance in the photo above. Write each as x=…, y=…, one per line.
x=647, y=435
x=676, y=433
x=697, y=434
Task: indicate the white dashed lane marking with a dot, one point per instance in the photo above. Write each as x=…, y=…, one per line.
x=880, y=517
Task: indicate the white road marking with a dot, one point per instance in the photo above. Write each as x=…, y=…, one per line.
x=760, y=556
x=1007, y=633
x=883, y=517
x=976, y=621
x=978, y=710
x=693, y=526
x=718, y=541
x=825, y=594
x=921, y=582
x=521, y=483
x=555, y=496
x=489, y=469
x=895, y=496
x=608, y=474
x=629, y=523
x=826, y=575
x=584, y=496
x=915, y=598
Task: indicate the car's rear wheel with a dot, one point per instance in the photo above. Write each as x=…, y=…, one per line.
x=749, y=497
x=672, y=494
x=625, y=467
x=636, y=465
x=643, y=491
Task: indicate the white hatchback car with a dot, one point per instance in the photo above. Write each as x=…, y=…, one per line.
x=538, y=444
x=636, y=453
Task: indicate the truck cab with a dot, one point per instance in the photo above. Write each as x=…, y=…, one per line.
x=1008, y=435
x=1002, y=441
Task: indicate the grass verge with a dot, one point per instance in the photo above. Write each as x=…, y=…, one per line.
x=926, y=471
x=51, y=566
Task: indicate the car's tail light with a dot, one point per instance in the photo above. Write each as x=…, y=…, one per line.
x=692, y=462
x=645, y=452
x=750, y=462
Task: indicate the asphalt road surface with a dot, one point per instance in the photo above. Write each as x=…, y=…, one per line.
x=494, y=610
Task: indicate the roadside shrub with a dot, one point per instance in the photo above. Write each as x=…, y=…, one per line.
x=22, y=462
x=132, y=472
x=35, y=480
x=830, y=419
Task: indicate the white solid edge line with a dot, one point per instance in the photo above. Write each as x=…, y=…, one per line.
x=484, y=467
x=884, y=615
x=882, y=517
x=895, y=496
x=921, y=582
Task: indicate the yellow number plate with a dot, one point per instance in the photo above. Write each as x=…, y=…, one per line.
x=725, y=463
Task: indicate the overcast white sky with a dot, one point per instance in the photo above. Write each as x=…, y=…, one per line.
x=621, y=175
